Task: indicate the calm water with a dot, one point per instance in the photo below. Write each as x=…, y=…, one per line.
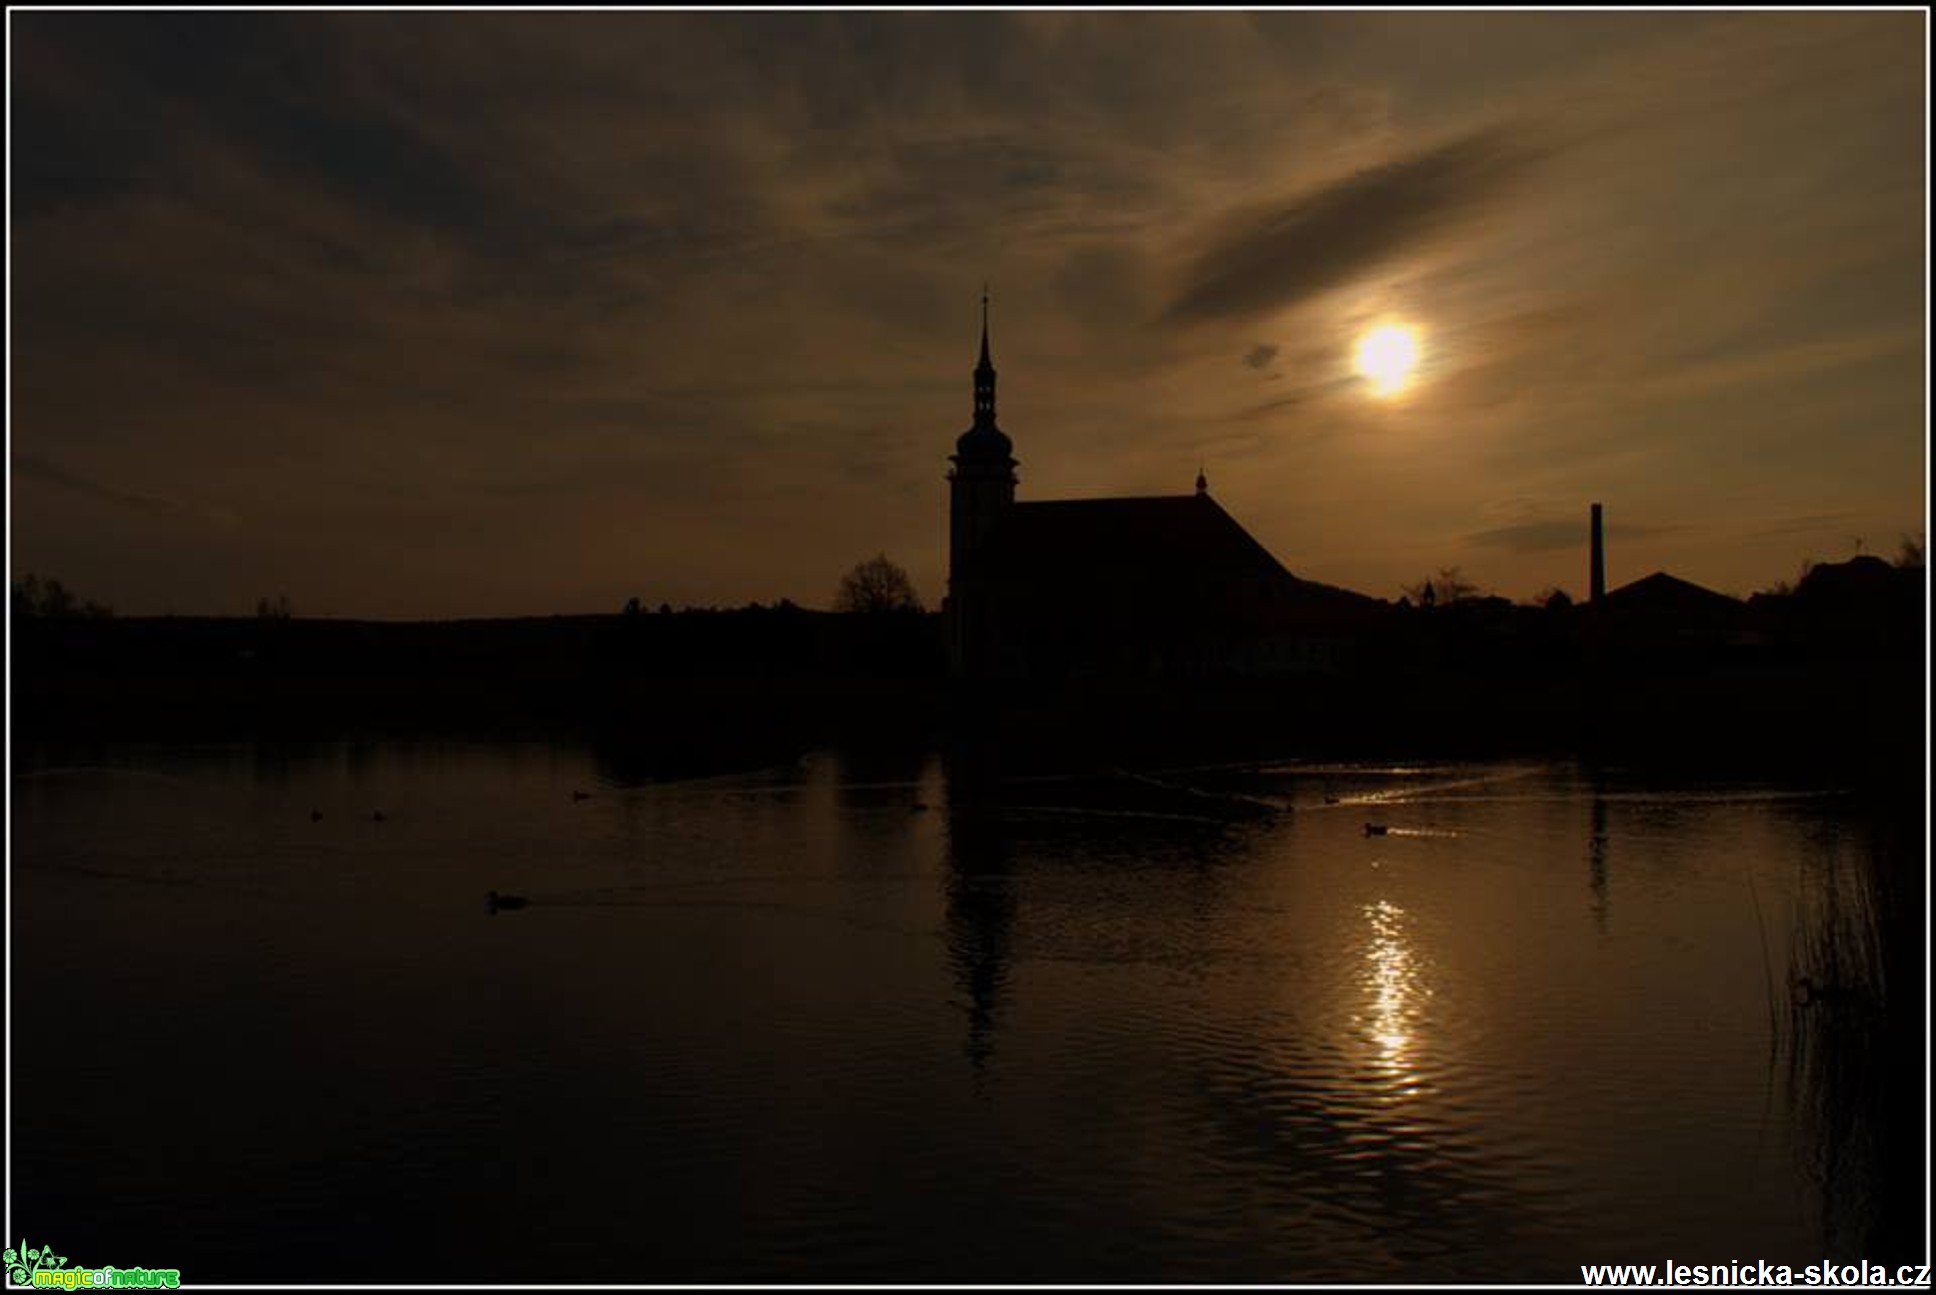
x=894, y=1018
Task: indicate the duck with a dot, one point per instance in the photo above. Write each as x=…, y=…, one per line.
x=919, y=807
x=495, y=901
x=581, y=795
x=1376, y=829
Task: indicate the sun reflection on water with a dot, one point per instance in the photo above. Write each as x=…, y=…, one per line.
x=1393, y=981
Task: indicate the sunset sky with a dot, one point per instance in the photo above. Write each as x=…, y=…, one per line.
x=450, y=314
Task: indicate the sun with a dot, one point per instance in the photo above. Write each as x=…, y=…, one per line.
x=1387, y=355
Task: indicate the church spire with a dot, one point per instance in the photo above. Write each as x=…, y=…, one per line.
x=984, y=373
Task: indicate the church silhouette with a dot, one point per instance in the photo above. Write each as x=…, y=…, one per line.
x=1158, y=586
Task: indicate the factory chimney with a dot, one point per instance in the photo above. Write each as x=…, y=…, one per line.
x=1597, y=580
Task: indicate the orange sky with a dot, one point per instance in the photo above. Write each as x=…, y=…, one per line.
x=483, y=313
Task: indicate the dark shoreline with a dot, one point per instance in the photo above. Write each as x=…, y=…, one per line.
x=710, y=693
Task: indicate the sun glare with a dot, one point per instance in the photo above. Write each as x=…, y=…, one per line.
x=1387, y=355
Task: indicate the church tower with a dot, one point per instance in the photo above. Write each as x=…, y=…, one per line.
x=981, y=487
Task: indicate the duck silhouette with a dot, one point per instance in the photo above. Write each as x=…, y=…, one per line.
x=1376, y=829
x=496, y=902
x=581, y=795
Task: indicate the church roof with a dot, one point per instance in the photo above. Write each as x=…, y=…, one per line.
x=1164, y=553
x=1147, y=533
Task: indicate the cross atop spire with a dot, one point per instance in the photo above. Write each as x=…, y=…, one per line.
x=984, y=373
x=984, y=326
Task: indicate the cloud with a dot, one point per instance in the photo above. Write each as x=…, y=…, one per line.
x=1264, y=262
x=1532, y=537
x=35, y=468
x=1547, y=536
x=32, y=467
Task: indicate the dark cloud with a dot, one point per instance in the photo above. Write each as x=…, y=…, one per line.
x=1544, y=537
x=1532, y=537
x=1302, y=377
x=264, y=86
x=66, y=159
x=1328, y=237
x=34, y=468
x=1269, y=407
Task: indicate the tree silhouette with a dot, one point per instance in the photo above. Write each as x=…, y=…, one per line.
x=876, y=586
x=49, y=598
x=1448, y=586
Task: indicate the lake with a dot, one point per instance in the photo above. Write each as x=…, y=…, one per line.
x=910, y=1016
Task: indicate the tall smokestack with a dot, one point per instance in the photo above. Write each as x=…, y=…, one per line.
x=1598, y=579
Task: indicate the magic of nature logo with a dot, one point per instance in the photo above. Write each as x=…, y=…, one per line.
x=43, y=1269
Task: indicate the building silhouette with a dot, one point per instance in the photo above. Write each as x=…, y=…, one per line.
x=1153, y=586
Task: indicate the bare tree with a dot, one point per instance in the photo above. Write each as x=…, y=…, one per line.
x=876, y=586
x=1784, y=588
x=55, y=599
x=1448, y=586
x=49, y=598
